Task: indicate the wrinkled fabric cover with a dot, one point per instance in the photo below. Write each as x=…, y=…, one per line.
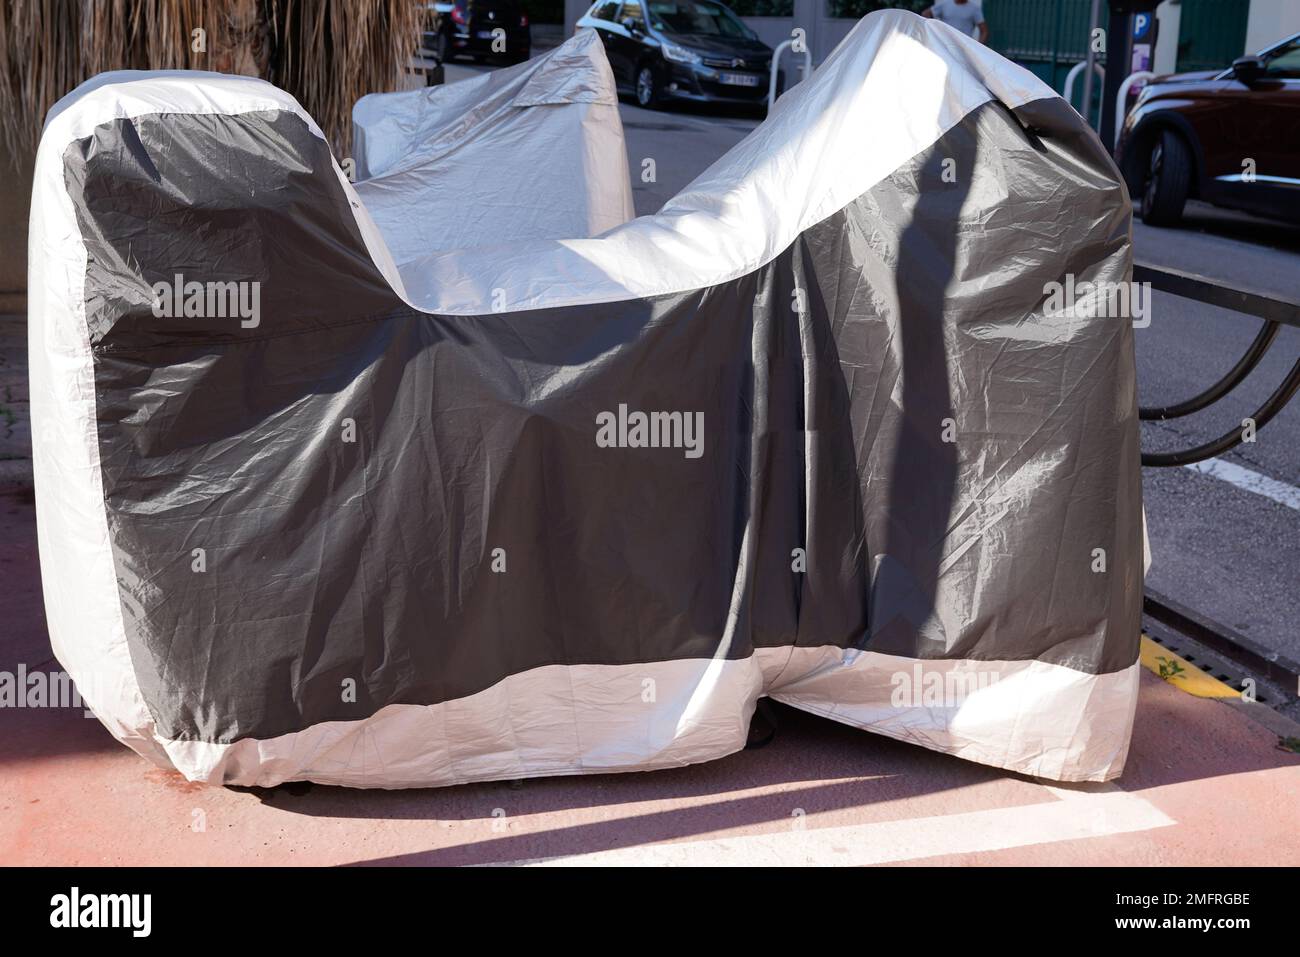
x=574, y=505
x=458, y=166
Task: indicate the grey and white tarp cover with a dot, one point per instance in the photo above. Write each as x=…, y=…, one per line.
x=530, y=152
x=573, y=505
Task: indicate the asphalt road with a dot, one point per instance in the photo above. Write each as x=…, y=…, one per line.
x=1230, y=553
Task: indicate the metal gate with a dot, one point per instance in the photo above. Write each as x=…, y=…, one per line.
x=1211, y=33
x=1046, y=37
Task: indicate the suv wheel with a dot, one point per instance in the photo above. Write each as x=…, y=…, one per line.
x=647, y=88
x=1168, y=180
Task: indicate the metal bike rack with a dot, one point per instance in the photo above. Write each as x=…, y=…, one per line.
x=1069, y=86
x=1275, y=313
x=776, y=63
x=1121, y=99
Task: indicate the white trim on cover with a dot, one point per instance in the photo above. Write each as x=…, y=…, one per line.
x=1033, y=717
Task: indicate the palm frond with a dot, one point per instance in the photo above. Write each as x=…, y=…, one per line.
x=326, y=53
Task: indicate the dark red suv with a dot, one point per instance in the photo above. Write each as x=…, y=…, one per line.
x=1231, y=138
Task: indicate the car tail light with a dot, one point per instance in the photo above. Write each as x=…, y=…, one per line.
x=523, y=19
x=458, y=15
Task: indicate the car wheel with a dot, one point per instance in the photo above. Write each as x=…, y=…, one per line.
x=647, y=87
x=1168, y=180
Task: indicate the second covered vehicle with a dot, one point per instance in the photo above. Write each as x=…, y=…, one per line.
x=681, y=49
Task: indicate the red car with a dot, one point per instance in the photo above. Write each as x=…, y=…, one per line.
x=1231, y=138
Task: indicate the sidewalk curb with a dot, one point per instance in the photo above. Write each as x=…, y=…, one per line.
x=1176, y=670
x=1266, y=717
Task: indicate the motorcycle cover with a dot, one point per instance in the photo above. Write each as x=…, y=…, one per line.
x=814, y=431
x=534, y=151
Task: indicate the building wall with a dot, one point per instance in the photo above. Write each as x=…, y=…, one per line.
x=573, y=12
x=1169, y=14
x=1270, y=21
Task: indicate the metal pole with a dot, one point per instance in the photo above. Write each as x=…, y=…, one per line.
x=1119, y=54
x=1056, y=41
x=805, y=69
x=1093, y=22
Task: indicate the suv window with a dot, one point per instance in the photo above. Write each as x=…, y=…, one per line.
x=605, y=11
x=1285, y=63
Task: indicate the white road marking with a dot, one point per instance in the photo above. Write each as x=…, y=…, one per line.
x=1075, y=814
x=1249, y=480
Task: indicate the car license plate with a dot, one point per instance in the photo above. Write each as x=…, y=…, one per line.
x=738, y=79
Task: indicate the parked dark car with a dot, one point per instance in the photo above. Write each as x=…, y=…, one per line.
x=1229, y=137
x=469, y=28
x=695, y=50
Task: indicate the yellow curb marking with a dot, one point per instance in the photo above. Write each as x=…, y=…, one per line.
x=1181, y=673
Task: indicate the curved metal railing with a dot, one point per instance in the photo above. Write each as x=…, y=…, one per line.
x=776, y=64
x=1275, y=313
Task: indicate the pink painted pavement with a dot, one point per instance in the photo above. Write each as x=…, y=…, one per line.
x=1205, y=784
